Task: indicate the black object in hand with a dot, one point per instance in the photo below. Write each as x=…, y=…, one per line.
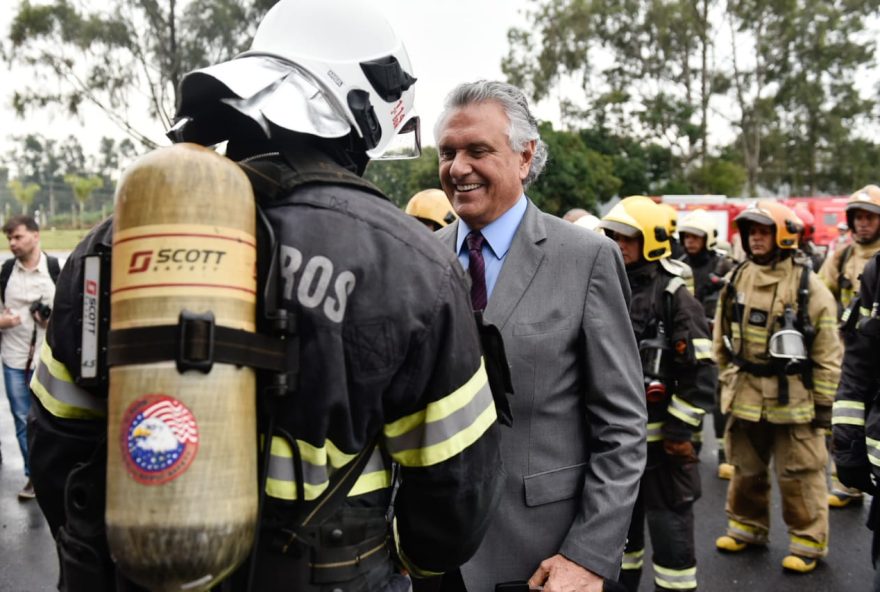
x=44, y=310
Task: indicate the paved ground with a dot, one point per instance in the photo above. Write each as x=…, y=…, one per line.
x=28, y=562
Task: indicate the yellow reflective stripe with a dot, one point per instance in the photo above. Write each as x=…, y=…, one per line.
x=824, y=387
x=319, y=456
x=675, y=579
x=441, y=408
x=281, y=480
x=789, y=414
x=806, y=544
x=827, y=323
x=376, y=475
x=702, y=348
x=873, y=451
x=655, y=431
x=633, y=560
x=53, y=385
x=848, y=413
x=686, y=412
x=411, y=567
x=846, y=296
x=865, y=312
x=745, y=532
x=747, y=412
x=445, y=427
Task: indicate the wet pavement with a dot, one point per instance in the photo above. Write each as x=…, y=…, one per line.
x=28, y=562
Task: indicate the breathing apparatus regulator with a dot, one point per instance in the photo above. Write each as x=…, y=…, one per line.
x=655, y=353
x=788, y=343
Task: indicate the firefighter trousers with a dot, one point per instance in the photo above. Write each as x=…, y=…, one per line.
x=800, y=456
x=667, y=493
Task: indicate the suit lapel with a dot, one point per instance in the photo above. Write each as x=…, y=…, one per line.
x=519, y=269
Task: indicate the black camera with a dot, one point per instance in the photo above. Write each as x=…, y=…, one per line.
x=44, y=310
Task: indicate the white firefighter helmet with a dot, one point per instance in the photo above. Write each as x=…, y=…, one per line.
x=700, y=223
x=588, y=221
x=321, y=67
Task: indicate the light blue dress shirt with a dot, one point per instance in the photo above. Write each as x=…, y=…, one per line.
x=499, y=235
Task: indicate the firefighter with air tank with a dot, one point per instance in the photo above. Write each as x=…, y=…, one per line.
x=698, y=234
x=776, y=343
x=680, y=382
x=842, y=273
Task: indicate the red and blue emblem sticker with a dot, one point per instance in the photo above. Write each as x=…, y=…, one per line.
x=160, y=438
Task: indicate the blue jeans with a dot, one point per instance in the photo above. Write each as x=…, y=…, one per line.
x=19, y=394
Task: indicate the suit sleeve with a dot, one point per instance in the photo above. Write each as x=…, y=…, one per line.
x=859, y=384
x=696, y=375
x=616, y=416
x=447, y=446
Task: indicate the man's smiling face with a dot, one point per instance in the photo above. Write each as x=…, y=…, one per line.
x=479, y=171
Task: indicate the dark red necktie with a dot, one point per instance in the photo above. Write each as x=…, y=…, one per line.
x=477, y=269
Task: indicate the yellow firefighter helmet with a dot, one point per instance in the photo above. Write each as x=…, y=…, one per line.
x=867, y=198
x=431, y=205
x=639, y=215
x=672, y=218
x=770, y=213
x=700, y=223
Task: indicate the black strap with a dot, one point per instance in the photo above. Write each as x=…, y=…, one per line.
x=6, y=272
x=325, y=505
x=806, y=326
x=196, y=344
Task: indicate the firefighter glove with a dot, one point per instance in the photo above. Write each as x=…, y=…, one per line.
x=683, y=449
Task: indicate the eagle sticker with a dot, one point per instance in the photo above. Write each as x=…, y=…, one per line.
x=159, y=438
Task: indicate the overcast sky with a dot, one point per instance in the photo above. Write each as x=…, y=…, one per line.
x=449, y=41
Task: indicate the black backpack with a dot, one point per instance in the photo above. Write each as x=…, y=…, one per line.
x=6, y=272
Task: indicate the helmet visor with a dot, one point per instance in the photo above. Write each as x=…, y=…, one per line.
x=406, y=143
x=788, y=344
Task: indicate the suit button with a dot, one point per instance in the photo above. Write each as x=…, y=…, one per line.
x=336, y=536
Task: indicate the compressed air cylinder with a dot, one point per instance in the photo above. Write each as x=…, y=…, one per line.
x=181, y=463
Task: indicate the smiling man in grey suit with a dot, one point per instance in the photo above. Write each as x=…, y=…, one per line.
x=576, y=451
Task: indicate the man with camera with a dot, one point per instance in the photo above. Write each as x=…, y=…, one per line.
x=27, y=289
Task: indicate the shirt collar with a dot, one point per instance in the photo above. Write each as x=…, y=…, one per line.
x=500, y=232
x=42, y=264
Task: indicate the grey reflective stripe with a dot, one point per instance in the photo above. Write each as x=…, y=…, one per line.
x=675, y=579
x=655, y=431
x=376, y=462
x=633, y=560
x=281, y=469
x=434, y=432
x=685, y=412
x=67, y=392
x=674, y=284
x=846, y=415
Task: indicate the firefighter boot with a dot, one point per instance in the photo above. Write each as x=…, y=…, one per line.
x=728, y=544
x=799, y=564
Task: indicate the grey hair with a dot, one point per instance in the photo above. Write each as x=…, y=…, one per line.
x=523, y=125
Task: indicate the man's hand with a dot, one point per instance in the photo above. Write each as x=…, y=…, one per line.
x=558, y=574
x=9, y=319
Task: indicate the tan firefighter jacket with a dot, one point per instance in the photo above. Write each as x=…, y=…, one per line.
x=842, y=271
x=761, y=293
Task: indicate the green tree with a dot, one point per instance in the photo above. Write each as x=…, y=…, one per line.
x=82, y=188
x=401, y=179
x=23, y=193
x=718, y=177
x=575, y=176
x=109, y=53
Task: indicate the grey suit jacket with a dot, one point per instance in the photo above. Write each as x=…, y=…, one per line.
x=576, y=451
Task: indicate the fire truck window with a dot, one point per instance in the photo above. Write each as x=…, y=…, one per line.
x=831, y=219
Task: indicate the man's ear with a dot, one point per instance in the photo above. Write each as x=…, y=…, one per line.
x=526, y=156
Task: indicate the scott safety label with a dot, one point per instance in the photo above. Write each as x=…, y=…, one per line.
x=91, y=315
x=183, y=260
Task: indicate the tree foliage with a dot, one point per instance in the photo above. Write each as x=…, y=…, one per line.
x=401, y=179
x=23, y=193
x=116, y=54
x=654, y=71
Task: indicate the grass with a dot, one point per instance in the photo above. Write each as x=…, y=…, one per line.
x=60, y=240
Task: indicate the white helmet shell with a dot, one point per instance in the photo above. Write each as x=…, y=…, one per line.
x=320, y=67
